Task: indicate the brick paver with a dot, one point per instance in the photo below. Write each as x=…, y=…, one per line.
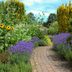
x=44, y=59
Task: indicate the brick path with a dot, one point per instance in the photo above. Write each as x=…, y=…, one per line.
x=44, y=59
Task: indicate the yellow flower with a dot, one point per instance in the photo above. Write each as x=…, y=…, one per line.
x=8, y=28
x=1, y=25
x=62, y=8
x=65, y=17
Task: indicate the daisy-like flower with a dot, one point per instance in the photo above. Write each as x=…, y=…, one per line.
x=1, y=25
x=8, y=28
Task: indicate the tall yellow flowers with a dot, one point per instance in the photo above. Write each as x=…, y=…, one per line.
x=2, y=26
x=5, y=29
x=64, y=12
x=8, y=28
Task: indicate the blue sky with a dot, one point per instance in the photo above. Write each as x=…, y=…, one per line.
x=45, y=6
x=42, y=6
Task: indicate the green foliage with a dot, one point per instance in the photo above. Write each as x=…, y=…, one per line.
x=53, y=28
x=19, y=33
x=52, y=18
x=35, y=31
x=31, y=18
x=47, y=41
x=68, y=55
x=12, y=12
x=17, y=58
x=70, y=27
x=25, y=32
x=65, y=52
x=61, y=49
x=15, y=63
x=3, y=38
x=1, y=10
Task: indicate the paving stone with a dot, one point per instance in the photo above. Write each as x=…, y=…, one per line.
x=44, y=59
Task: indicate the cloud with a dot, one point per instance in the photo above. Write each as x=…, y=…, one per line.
x=38, y=1
x=39, y=6
x=32, y=2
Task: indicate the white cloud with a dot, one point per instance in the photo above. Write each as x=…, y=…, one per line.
x=38, y=1
x=31, y=2
x=52, y=1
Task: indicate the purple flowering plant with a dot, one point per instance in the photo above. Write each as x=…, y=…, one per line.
x=35, y=39
x=22, y=47
x=61, y=38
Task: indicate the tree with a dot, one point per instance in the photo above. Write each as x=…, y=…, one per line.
x=64, y=15
x=14, y=11
x=1, y=11
x=52, y=17
x=31, y=16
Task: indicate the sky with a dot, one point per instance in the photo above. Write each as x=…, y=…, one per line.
x=40, y=7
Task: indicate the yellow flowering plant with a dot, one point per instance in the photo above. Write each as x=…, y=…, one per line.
x=63, y=16
x=2, y=26
x=8, y=28
x=4, y=30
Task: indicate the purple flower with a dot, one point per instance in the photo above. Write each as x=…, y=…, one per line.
x=61, y=38
x=22, y=47
x=35, y=39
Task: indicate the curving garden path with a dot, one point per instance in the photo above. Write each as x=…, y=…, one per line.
x=44, y=59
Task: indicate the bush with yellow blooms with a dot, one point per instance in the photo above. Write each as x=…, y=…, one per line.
x=64, y=14
x=3, y=31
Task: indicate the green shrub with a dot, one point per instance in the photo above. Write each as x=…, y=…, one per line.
x=41, y=43
x=23, y=32
x=17, y=58
x=15, y=63
x=12, y=12
x=21, y=67
x=47, y=41
x=4, y=30
x=68, y=55
x=65, y=51
x=34, y=30
x=53, y=28
x=61, y=50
